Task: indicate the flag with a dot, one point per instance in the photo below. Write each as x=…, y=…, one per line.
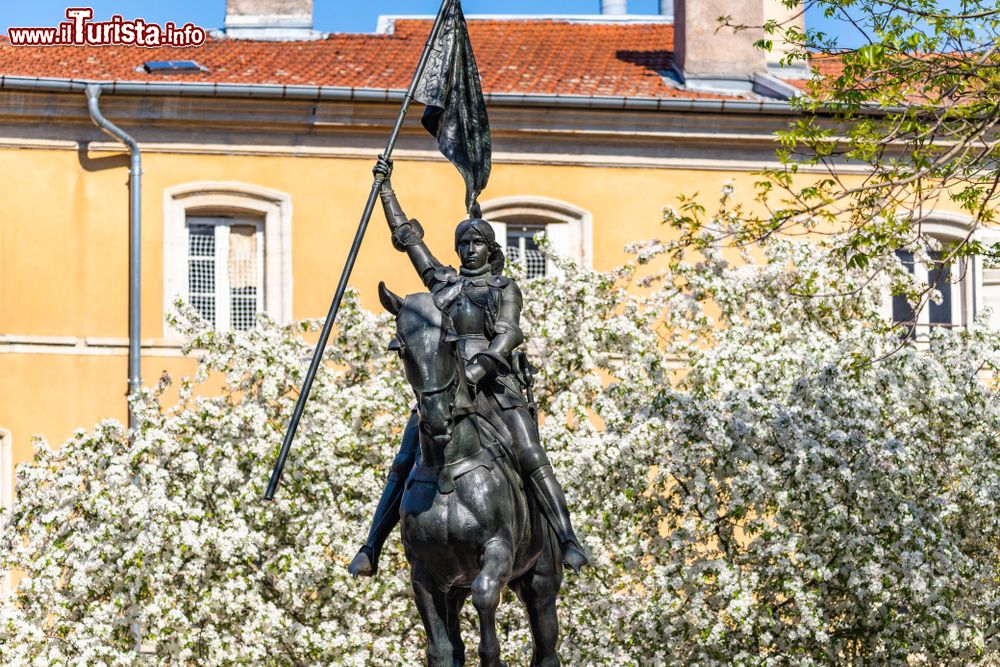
x=455, y=107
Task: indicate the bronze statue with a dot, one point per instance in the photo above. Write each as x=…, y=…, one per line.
x=467, y=448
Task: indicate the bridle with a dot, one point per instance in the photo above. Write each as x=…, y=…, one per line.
x=452, y=381
x=456, y=381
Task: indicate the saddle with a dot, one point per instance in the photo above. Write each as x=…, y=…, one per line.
x=444, y=477
x=497, y=442
x=496, y=450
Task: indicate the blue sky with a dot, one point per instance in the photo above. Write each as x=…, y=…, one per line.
x=330, y=15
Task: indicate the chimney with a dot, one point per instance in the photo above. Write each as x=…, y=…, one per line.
x=710, y=57
x=614, y=7
x=667, y=8
x=273, y=20
x=786, y=18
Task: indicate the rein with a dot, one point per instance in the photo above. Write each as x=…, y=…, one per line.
x=447, y=385
x=457, y=381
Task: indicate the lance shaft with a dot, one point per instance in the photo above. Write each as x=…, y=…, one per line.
x=352, y=257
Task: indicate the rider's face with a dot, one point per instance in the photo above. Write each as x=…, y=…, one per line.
x=473, y=250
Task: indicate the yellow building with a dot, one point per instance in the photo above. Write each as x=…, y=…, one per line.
x=256, y=159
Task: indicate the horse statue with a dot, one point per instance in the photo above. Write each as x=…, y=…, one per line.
x=468, y=527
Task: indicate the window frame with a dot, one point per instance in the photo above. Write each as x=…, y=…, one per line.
x=966, y=293
x=223, y=298
x=988, y=289
x=522, y=240
x=568, y=228
x=235, y=199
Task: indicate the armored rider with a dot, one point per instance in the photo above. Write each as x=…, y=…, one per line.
x=485, y=308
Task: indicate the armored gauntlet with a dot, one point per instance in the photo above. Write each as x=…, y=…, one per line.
x=405, y=232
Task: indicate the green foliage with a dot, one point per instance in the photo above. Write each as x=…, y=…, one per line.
x=903, y=125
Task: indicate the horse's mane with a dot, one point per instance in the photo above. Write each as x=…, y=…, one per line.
x=420, y=310
x=419, y=316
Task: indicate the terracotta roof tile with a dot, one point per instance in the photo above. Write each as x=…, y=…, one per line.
x=515, y=56
x=826, y=67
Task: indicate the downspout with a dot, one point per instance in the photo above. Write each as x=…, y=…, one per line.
x=134, y=235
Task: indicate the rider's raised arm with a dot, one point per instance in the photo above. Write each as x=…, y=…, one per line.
x=408, y=235
x=507, y=328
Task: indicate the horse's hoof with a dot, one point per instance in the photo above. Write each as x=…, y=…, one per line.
x=362, y=565
x=574, y=557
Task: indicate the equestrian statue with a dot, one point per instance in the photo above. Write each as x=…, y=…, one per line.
x=478, y=501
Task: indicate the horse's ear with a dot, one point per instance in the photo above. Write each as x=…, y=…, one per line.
x=391, y=302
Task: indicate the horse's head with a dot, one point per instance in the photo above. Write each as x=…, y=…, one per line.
x=426, y=345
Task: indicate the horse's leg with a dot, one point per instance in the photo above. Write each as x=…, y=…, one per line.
x=498, y=559
x=539, y=590
x=456, y=599
x=433, y=606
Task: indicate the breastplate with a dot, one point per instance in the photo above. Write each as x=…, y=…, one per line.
x=469, y=318
x=468, y=312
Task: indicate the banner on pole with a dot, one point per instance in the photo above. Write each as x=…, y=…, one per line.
x=456, y=109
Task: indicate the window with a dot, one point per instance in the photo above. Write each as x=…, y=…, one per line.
x=172, y=67
x=225, y=270
x=956, y=281
x=516, y=221
x=991, y=290
x=523, y=250
x=950, y=312
x=227, y=250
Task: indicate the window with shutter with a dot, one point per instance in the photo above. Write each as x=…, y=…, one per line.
x=225, y=270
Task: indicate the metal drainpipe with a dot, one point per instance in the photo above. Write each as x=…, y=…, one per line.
x=135, y=227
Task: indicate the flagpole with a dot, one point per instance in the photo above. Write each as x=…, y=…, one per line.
x=352, y=257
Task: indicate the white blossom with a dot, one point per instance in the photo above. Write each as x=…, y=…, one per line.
x=760, y=475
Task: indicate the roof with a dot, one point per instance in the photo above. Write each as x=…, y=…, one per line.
x=549, y=57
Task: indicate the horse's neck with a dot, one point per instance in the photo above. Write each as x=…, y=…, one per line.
x=464, y=443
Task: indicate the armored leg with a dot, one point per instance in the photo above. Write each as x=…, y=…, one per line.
x=541, y=478
x=365, y=563
x=550, y=496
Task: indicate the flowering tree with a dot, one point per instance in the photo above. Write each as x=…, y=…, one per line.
x=827, y=497
x=899, y=119
x=168, y=532
x=755, y=483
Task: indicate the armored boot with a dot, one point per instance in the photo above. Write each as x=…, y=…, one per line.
x=365, y=564
x=550, y=497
